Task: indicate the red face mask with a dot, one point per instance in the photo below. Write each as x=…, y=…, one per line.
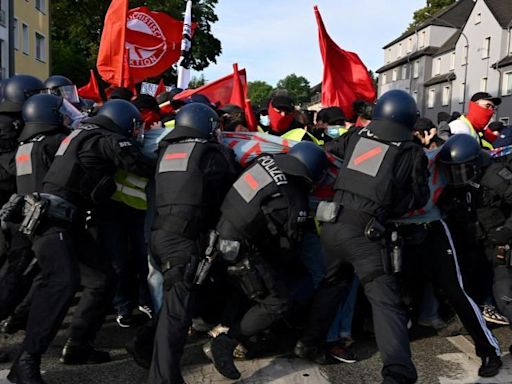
x=150, y=117
x=478, y=115
x=278, y=123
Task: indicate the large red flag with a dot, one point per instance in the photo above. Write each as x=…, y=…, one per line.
x=219, y=91
x=111, y=53
x=345, y=78
x=91, y=90
x=239, y=97
x=161, y=88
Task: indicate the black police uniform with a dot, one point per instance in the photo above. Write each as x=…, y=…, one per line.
x=80, y=177
x=379, y=180
x=192, y=178
x=264, y=212
x=38, y=144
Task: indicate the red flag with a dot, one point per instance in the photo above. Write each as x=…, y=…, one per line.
x=91, y=90
x=239, y=92
x=219, y=91
x=252, y=124
x=345, y=78
x=161, y=88
x=154, y=42
x=111, y=52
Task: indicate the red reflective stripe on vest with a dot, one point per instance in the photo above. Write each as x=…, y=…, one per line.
x=174, y=156
x=367, y=155
x=249, y=179
x=22, y=158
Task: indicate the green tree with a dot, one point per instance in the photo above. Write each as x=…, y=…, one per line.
x=76, y=31
x=258, y=91
x=297, y=87
x=432, y=7
x=196, y=82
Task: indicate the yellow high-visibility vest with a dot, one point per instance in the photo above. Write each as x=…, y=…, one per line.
x=131, y=189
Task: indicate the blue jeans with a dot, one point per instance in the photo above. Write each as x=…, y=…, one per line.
x=341, y=327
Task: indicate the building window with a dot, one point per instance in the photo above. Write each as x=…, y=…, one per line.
x=384, y=78
x=395, y=74
x=478, y=18
x=40, y=5
x=452, y=61
x=464, y=55
x=415, y=96
x=462, y=92
x=504, y=120
x=16, y=33
x=437, y=67
x=404, y=72
x=389, y=56
x=483, y=84
x=26, y=48
x=416, y=69
x=486, y=49
x=446, y=95
x=423, y=36
x=400, y=50
x=507, y=84
x=40, y=47
x=3, y=17
x=409, y=44
x=431, y=98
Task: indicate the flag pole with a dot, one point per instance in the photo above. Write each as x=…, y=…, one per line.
x=186, y=44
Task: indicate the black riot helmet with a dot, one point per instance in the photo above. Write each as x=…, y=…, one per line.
x=461, y=160
x=41, y=113
x=123, y=115
x=17, y=90
x=197, y=119
x=394, y=116
x=62, y=86
x=305, y=159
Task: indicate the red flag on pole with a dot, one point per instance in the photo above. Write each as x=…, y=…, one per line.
x=219, y=91
x=239, y=93
x=345, y=78
x=112, y=46
x=161, y=88
x=91, y=90
x=252, y=124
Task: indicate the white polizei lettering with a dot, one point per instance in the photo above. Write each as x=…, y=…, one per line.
x=270, y=166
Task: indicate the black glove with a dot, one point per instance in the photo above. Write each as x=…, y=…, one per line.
x=173, y=276
x=500, y=235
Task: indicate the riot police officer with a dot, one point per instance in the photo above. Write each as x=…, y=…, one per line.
x=16, y=91
x=464, y=164
x=40, y=138
x=194, y=173
x=80, y=177
x=62, y=86
x=384, y=174
x=262, y=220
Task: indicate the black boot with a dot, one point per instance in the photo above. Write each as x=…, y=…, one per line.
x=13, y=324
x=74, y=353
x=221, y=351
x=490, y=366
x=26, y=370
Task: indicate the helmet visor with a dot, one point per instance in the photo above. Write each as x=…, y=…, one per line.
x=70, y=93
x=71, y=115
x=458, y=175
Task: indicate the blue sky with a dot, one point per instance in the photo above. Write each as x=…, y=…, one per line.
x=274, y=38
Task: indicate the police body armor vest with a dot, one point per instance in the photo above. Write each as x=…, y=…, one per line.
x=66, y=171
x=369, y=167
x=263, y=181
x=180, y=184
x=30, y=171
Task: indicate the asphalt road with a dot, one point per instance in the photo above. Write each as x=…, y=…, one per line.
x=438, y=360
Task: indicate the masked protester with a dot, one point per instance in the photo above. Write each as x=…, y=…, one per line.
x=194, y=173
x=480, y=112
x=150, y=111
x=232, y=118
x=280, y=113
x=330, y=124
x=384, y=174
x=78, y=180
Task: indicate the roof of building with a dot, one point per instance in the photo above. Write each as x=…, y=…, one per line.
x=444, y=78
x=501, y=10
x=506, y=61
x=450, y=44
x=455, y=14
x=429, y=51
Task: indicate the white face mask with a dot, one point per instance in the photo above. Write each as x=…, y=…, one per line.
x=265, y=120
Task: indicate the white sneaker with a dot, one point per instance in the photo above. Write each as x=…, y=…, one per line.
x=491, y=314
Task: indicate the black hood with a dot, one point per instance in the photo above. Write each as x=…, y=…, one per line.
x=31, y=130
x=292, y=166
x=388, y=130
x=104, y=122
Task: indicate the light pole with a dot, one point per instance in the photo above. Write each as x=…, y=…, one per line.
x=467, y=55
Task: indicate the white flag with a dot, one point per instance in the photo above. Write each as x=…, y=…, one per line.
x=186, y=44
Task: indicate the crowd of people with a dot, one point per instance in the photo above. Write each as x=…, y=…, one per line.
x=140, y=204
